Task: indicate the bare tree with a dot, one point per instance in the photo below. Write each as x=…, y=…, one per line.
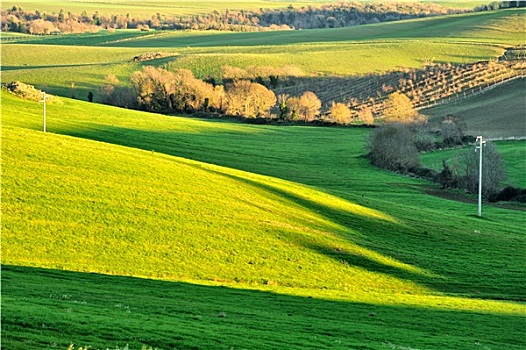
x=452, y=129
x=493, y=171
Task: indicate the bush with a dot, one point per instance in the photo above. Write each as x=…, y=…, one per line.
x=392, y=147
x=510, y=194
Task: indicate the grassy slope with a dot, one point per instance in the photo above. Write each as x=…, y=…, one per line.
x=496, y=113
x=359, y=235
x=354, y=50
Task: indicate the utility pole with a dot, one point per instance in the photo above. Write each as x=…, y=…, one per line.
x=479, y=147
x=44, y=100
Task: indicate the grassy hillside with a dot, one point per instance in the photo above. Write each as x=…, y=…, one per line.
x=49, y=309
x=496, y=113
x=341, y=51
x=304, y=214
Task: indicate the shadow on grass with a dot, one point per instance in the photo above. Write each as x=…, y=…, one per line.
x=351, y=223
x=347, y=221
x=44, y=308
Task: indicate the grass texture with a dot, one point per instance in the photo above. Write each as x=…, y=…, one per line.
x=294, y=211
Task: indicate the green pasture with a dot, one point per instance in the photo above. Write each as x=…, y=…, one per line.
x=294, y=211
x=50, y=309
x=497, y=113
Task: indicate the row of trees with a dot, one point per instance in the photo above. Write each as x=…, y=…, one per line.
x=306, y=17
x=161, y=90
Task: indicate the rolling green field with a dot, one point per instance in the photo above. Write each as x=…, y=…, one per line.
x=124, y=229
x=282, y=216
x=341, y=51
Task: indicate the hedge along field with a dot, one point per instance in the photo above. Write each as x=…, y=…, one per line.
x=150, y=8
x=331, y=228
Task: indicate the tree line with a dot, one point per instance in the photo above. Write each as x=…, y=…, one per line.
x=332, y=15
x=179, y=91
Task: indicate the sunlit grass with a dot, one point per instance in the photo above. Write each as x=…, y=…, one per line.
x=296, y=211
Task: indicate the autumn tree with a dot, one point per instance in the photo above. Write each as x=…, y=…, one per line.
x=340, y=113
x=40, y=26
x=293, y=109
x=400, y=109
x=244, y=98
x=310, y=106
x=365, y=115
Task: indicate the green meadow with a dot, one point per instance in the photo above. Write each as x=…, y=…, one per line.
x=292, y=213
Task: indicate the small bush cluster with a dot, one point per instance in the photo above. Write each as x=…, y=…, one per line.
x=29, y=92
x=510, y=194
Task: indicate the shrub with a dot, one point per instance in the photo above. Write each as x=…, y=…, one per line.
x=510, y=194
x=392, y=147
x=340, y=113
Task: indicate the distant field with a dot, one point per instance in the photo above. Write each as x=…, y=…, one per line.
x=342, y=51
x=499, y=112
x=291, y=210
x=150, y=8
